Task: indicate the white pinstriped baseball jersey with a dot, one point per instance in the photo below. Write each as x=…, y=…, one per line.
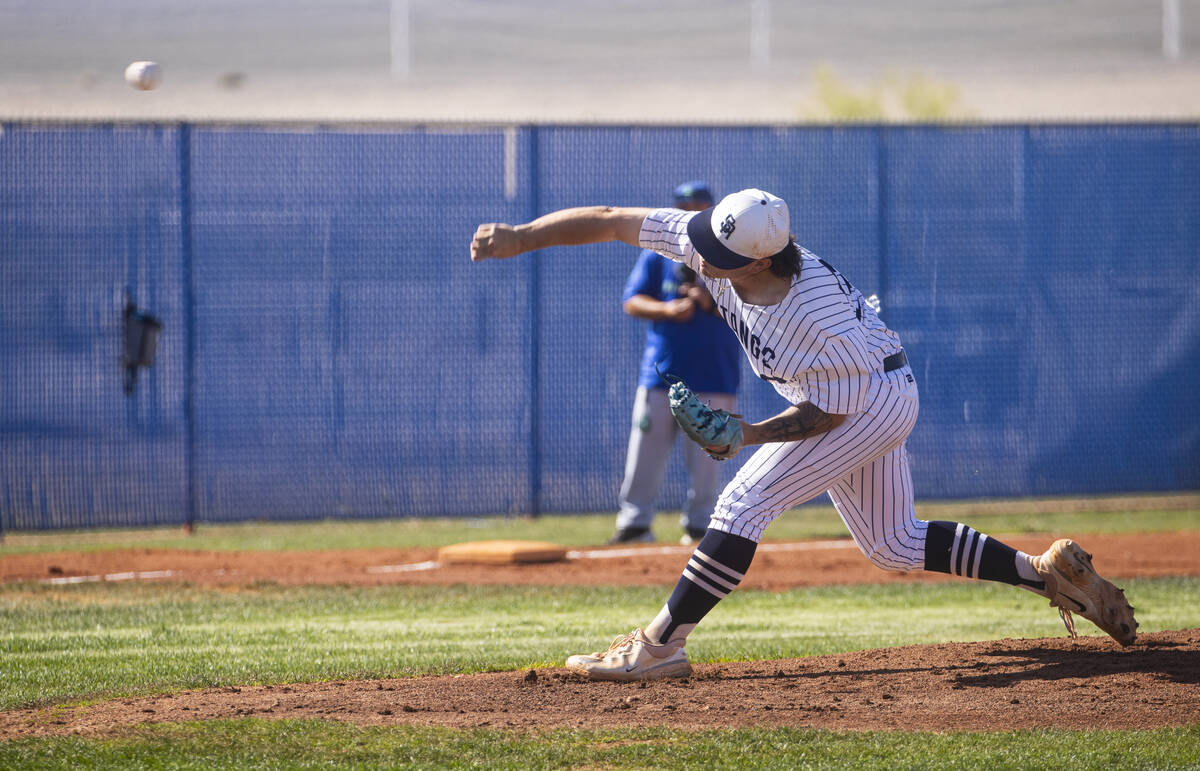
x=825, y=344
x=820, y=344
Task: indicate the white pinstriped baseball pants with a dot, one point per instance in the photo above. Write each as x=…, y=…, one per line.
x=863, y=466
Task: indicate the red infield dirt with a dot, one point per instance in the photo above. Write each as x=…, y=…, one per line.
x=998, y=685
x=776, y=566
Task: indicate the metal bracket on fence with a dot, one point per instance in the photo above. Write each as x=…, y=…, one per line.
x=141, y=342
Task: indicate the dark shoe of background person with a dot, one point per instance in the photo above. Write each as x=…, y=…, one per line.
x=631, y=535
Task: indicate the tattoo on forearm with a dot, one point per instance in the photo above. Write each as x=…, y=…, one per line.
x=803, y=421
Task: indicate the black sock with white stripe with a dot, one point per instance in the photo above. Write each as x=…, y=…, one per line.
x=952, y=547
x=716, y=567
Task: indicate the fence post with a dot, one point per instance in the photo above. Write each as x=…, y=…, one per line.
x=535, y=321
x=189, y=322
x=400, y=32
x=881, y=185
x=1172, y=29
x=760, y=35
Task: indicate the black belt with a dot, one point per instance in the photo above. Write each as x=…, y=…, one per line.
x=895, y=361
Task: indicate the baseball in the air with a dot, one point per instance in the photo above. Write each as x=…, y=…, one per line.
x=143, y=76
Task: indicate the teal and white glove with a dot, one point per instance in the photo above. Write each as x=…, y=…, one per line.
x=717, y=431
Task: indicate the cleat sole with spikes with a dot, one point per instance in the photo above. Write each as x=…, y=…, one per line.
x=1074, y=586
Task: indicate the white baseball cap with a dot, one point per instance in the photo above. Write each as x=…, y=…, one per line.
x=745, y=226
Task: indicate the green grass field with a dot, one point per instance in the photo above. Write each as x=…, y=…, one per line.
x=1160, y=513
x=253, y=743
x=117, y=639
x=81, y=643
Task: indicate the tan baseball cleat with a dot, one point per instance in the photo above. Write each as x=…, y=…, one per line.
x=633, y=657
x=1074, y=586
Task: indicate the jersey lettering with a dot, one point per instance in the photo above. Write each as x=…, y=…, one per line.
x=750, y=341
x=843, y=282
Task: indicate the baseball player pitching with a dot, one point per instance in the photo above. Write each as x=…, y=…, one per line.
x=852, y=403
x=686, y=337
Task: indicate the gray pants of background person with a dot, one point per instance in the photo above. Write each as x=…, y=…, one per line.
x=650, y=440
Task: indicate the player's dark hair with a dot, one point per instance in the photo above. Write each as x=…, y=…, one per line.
x=786, y=262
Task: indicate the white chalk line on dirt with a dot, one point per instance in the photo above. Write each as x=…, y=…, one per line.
x=416, y=567
x=644, y=551
x=138, y=575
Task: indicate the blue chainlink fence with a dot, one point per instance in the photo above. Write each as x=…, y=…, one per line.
x=328, y=350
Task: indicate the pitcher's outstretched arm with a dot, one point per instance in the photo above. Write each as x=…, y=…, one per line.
x=566, y=227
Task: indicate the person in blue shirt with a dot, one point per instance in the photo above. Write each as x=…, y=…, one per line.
x=688, y=339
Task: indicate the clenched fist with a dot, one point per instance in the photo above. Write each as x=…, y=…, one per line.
x=495, y=240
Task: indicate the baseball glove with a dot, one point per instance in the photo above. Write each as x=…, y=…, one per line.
x=717, y=431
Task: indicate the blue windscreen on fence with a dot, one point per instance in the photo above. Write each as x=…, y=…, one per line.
x=328, y=350
x=349, y=361
x=88, y=219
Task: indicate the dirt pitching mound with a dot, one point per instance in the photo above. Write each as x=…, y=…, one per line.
x=1088, y=683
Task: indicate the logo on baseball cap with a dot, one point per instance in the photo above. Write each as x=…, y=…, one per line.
x=745, y=226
